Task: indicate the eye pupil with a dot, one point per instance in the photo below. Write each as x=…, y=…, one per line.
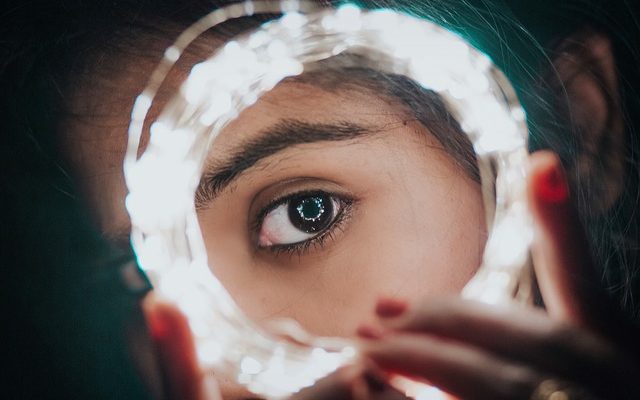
x=311, y=208
x=311, y=213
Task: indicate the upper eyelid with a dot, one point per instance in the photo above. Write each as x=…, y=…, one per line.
x=297, y=185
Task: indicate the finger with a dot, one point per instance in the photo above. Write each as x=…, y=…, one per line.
x=526, y=336
x=564, y=268
x=175, y=348
x=568, y=279
x=456, y=368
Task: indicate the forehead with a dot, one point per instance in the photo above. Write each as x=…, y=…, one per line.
x=302, y=101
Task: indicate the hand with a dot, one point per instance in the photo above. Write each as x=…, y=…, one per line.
x=181, y=377
x=475, y=351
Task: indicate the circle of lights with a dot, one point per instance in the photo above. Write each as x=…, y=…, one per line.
x=162, y=181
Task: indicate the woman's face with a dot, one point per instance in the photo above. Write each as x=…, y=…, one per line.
x=313, y=203
x=354, y=200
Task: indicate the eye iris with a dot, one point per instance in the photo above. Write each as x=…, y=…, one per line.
x=311, y=213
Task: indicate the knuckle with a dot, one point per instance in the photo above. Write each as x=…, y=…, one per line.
x=445, y=316
x=565, y=338
x=446, y=320
x=560, y=337
x=427, y=315
x=519, y=381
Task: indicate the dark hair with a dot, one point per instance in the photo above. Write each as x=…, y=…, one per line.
x=51, y=254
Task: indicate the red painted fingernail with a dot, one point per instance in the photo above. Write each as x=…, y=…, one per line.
x=390, y=308
x=158, y=326
x=369, y=332
x=552, y=186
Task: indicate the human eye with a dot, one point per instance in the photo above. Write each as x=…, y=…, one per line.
x=297, y=222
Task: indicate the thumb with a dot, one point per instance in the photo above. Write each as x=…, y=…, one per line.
x=566, y=274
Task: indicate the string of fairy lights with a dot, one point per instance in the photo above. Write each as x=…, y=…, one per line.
x=162, y=181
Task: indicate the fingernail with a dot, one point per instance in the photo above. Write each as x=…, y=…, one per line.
x=158, y=326
x=390, y=307
x=369, y=332
x=552, y=186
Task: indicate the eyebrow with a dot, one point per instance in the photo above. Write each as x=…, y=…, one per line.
x=276, y=138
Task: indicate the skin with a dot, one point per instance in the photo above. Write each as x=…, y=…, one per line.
x=414, y=212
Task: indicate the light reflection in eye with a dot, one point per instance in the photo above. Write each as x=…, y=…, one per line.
x=299, y=218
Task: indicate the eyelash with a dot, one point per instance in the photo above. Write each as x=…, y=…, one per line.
x=316, y=242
